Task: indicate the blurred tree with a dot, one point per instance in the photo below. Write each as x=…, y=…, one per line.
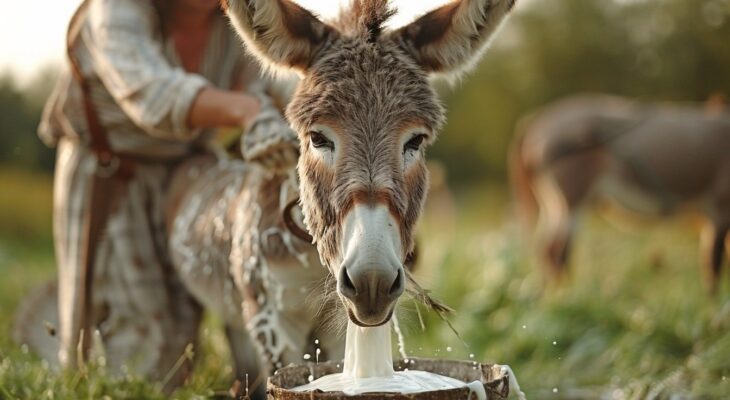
x=16, y=124
x=20, y=112
x=675, y=50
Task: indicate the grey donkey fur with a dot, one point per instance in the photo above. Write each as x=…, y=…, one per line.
x=370, y=85
x=370, y=89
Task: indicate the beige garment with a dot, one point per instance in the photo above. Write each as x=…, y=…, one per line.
x=138, y=86
x=144, y=315
x=142, y=95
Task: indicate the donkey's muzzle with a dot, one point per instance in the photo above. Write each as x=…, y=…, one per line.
x=372, y=291
x=371, y=276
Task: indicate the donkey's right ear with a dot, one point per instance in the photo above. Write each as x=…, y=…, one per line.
x=451, y=38
x=280, y=33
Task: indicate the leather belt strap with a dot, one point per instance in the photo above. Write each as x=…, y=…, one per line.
x=112, y=173
x=291, y=224
x=98, y=141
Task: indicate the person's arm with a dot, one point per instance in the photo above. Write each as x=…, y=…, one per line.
x=214, y=108
x=123, y=44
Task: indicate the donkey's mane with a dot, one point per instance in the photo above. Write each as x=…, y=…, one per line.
x=364, y=18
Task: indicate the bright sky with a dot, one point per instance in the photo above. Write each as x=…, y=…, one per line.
x=31, y=38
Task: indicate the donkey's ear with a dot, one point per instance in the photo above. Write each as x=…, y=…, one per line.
x=280, y=33
x=451, y=38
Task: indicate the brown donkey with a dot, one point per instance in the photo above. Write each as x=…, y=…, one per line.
x=648, y=158
x=364, y=111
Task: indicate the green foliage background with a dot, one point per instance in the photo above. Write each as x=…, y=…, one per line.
x=632, y=322
x=670, y=50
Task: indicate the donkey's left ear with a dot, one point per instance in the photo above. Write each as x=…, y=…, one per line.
x=280, y=33
x=452, y=38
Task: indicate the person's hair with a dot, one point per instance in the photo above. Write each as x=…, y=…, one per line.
x=163, y=11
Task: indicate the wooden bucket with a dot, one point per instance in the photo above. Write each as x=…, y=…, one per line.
x=496, y=381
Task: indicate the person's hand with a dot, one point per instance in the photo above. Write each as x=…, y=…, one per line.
x=216, y=108
x=270, y=142
x=251, y=108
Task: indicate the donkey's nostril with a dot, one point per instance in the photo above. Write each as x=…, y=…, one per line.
x=347, y=288
x=398, y=286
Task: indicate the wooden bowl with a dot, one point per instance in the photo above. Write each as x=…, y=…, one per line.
x=496, y=381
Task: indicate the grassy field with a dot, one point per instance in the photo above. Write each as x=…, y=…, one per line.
x=632, y=322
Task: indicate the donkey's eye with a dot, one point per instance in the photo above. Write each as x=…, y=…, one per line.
x=319, y=141
x=414, y=143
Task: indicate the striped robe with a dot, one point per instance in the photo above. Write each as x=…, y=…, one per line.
x=143, y=314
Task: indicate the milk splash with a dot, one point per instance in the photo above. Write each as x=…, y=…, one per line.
x=368, y=368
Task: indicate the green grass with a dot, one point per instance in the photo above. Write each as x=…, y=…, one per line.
x=632, y=321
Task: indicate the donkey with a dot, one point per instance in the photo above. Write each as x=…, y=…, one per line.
x=364, y=111
x=651, y=159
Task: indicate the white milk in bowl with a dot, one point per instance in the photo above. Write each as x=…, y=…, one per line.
x=368, y=368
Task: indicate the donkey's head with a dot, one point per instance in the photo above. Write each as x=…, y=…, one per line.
x=364, y=111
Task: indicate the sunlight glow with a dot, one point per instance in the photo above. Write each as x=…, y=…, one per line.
x=31, y=38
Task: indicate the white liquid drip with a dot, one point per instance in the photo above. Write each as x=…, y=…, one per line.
x=369, y=368
x=401, y=340
x=368, y=352
x=514, y=386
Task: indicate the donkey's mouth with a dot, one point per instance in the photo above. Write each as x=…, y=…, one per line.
x=358, y=322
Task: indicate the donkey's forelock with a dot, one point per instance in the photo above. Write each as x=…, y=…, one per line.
x=364, y=111
x=364, y=19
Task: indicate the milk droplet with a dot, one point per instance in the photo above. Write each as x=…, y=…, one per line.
x=555, y=342
x=310, y=378
x=471, y=355
x=316, y=341
x=524, y=326
x=307, y=356
x=555, y=390
x=448, y=348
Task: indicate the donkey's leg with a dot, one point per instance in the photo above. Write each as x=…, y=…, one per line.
x=713, y=247
x=246, y=361
x=561, y=189
x=555, y=227
x=280, y=337
x=715, y=241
